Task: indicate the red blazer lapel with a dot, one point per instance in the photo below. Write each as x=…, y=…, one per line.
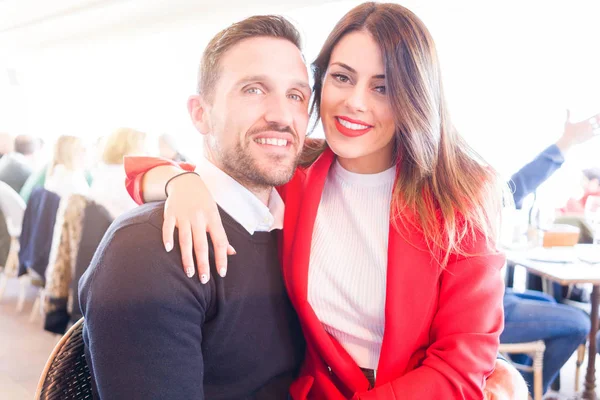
x=410, y=300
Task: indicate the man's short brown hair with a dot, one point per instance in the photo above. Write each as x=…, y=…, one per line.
x=273, y=26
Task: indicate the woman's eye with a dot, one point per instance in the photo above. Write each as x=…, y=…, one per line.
x=254, y=91
x=380, y=89
x=341, y=78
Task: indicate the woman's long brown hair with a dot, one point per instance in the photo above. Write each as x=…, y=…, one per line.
x=443, y=188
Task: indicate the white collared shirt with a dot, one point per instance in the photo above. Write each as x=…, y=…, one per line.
x=239, y=202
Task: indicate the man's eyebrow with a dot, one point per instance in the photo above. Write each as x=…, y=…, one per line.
x=303, y=85
x=350, y=69
x=265, y=79
x=251, y=78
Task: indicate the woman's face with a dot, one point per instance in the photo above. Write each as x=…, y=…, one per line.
x=355, y=109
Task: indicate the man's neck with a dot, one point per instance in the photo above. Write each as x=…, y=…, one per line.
x=263, y=194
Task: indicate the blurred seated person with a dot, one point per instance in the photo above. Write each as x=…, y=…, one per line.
x=7, y=143
x=533, y=315
x=38, y=179
x=590, y=187
x=15, y=167
x=167, y=147
x=532, y=175
x=66, y=174
x=106, y=188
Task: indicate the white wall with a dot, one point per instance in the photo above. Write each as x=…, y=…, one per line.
x=510, y=71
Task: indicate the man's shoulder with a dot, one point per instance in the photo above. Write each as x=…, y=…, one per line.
x=131, y=248
x=142, y=217
x=139, y=228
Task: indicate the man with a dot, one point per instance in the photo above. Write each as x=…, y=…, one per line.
x=151, y=332
x=16, y=167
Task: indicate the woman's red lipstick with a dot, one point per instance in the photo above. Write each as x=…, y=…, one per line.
x=351, y=132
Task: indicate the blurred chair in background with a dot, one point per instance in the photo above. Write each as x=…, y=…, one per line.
x=36, y=239
x=12, y=208
x=80, y=226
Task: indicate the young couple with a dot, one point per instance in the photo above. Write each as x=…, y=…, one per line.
x=370, y=272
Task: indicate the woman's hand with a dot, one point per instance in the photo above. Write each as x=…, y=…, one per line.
x=191, y=209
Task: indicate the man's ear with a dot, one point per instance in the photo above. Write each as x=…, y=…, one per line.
x=198, y=110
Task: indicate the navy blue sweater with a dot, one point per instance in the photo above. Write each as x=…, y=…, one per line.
x=153, y=333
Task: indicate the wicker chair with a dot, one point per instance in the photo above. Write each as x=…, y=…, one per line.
x=66, y=375
x=536, y=351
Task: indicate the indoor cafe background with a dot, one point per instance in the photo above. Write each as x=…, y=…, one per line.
x=85, y=67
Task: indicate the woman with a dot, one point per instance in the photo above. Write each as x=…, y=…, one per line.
x=122, y=142
x=66, y=173
x=387, y=250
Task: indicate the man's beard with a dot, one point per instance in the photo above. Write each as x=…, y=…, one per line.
x=239, y=163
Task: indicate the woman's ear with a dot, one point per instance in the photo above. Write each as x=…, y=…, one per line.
x=198, y=110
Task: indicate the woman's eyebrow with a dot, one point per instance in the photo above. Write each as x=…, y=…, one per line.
x=352, y=70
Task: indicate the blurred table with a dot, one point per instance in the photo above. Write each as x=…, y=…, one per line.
x=567, y=274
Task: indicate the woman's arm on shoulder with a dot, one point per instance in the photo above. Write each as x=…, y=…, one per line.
x=146, y=177
x=189, y=207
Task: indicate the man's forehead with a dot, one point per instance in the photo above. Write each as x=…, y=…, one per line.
x=272, y=58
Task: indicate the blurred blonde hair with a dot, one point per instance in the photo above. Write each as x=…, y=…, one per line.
x=65, y=150
x=122, y=142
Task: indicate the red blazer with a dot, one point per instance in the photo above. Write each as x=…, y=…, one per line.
x=442, y=326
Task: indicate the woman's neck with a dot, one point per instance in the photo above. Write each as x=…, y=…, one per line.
x=369, y=164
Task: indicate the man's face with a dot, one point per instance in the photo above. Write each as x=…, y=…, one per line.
x=258, y=116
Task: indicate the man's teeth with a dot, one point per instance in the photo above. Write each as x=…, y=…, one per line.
x=272, y=141
x=350, y=125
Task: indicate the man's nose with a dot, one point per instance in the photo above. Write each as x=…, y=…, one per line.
x=280, y=111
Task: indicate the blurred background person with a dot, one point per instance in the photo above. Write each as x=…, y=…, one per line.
x=16, y=166
x=7, y=143
x=38, y=179
x=544, y=165
x=107, y=188
x=168, y=148
x=65, y=174
x=590, y=186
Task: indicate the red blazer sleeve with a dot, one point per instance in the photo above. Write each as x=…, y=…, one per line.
x=136, y=167
x=464, y=335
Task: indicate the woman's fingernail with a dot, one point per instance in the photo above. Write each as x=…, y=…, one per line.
x=168, y=246
x=232, y=250
x=189, y=272
x=223, y=272
x=203, y=278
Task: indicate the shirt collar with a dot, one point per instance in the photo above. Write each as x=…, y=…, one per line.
x=239, y=202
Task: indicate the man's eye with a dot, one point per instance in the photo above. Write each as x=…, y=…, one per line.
x=254, y=91
x=295, y=97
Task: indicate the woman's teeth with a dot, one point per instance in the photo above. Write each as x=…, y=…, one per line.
x=272, y=141
x=350, y=125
